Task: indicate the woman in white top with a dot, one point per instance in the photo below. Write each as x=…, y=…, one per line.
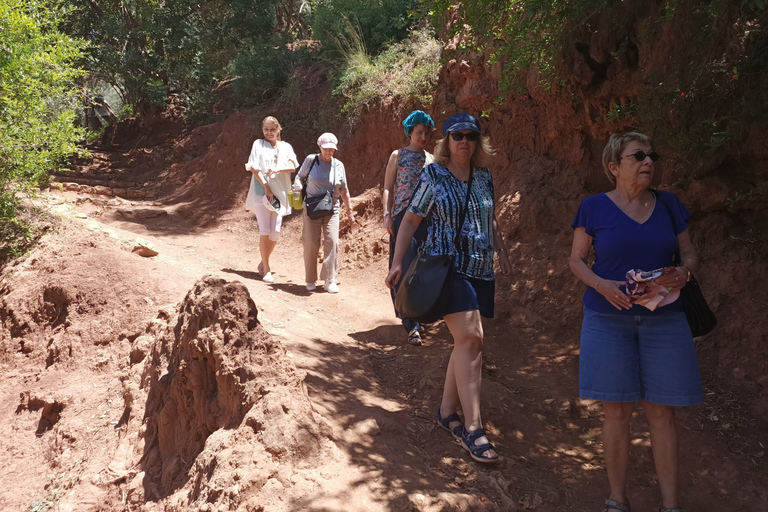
x=271, y=162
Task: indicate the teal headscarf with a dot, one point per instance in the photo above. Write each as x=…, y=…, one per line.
x=414, y=118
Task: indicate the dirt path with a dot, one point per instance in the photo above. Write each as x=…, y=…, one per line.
x=378, y=394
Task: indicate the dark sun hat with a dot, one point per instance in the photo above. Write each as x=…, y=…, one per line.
x=461, y=121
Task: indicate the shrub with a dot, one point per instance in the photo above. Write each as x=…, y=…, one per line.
x=263, y=68
x=38, y=97
x=381, y=22
x=407, y=70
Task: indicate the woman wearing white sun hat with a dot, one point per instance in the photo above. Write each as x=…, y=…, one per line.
x=323, y=173
x=270, y=163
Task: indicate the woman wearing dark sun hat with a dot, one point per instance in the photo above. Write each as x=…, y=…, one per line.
x=438, y=199
x=403, y=171
x=635, y=347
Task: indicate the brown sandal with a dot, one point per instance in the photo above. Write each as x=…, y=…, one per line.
x=616, y=505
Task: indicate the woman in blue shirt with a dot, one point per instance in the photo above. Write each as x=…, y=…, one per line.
x=439, y=198
x=629, y=352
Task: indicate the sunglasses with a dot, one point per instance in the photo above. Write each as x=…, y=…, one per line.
x=471, y=136
x=641, y=155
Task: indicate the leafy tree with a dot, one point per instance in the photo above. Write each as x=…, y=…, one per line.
x=150, y=50
x=380, y=22
x=37, y=96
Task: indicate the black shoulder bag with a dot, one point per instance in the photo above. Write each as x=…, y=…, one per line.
x=320, y=206
x=426, y=286
x=700, y=317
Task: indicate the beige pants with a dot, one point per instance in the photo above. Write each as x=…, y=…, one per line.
x=310, y=233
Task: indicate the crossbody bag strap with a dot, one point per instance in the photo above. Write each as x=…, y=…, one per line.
x=463, y=214
x=676, y=261
x=305, y=180
x=333, y=181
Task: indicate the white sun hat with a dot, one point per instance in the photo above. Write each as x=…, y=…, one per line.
x=327, y=140
x=274, y=205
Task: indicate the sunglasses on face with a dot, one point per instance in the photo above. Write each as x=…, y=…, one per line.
x=471, y=136
x=641, y=155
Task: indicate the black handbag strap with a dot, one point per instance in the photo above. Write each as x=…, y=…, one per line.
x=463, y=214
x=306, y=178
x=676, y=261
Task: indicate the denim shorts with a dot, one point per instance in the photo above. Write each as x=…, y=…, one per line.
x=469, y=293
x=625, y=358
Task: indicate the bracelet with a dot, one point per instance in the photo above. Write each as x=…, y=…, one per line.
x=597, y=283
x=688, y=271
x=386, y=214
x=503, y=249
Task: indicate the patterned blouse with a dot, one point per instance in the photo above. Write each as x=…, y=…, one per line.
x=409, y=167
x=440, y=197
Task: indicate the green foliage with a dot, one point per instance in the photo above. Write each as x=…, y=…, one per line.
x=381, y=22
x=621, y=111
x=407, y=70
x=263, y=70
x=149, y=50
x=37, y=97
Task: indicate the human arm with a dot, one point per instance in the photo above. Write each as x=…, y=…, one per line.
x=388, y=194
x=582, y=243
x=306, y=166
x=287, y=161
x=407, y=229
x=263, y=182
x=499, y=247
x=289, y=169
x=689, y=263
x=344, y=193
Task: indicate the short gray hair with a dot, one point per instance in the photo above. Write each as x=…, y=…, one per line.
x=616, y=144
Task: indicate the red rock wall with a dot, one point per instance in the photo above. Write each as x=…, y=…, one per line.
x=549, y=159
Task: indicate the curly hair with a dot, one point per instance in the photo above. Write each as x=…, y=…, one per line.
x=483, y=155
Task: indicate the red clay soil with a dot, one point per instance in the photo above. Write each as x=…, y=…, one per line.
x=183, y=382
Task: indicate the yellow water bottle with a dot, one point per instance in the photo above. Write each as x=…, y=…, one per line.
x=295, y=199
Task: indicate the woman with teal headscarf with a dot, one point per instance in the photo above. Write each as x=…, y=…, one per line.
x=403, y=171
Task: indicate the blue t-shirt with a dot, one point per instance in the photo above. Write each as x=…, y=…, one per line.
x=622, y=244
x=440, y=197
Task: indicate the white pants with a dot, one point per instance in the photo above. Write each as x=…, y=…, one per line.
x=269, y=221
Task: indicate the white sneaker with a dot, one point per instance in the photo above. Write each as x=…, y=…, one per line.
x=268, y=278
x=311, y=287
x=331, y=287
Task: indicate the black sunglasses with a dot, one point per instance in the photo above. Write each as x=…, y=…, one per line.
x=640, y=156
x=471, y=136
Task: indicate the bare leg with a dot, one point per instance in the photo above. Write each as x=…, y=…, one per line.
x=266, y=246
x=618, y=416
x=464, y=374
x=664, y=443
